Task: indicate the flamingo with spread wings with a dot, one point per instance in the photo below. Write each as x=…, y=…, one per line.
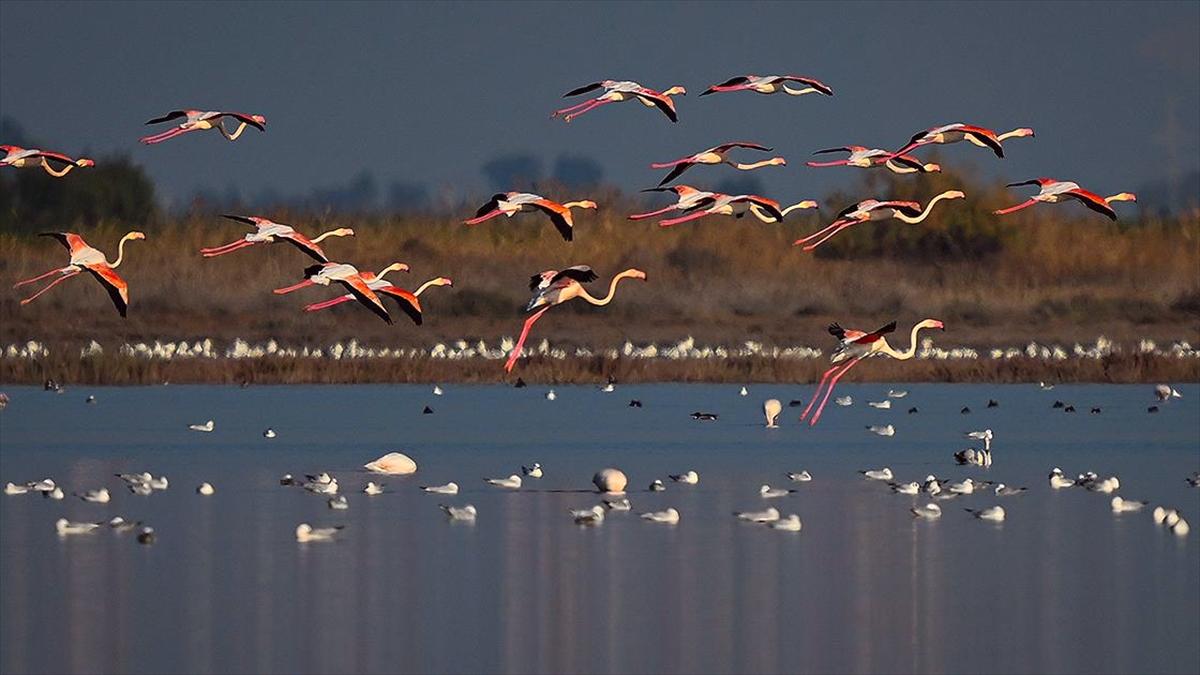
x=866, y=158
x=953, y=133
x=203, y=120
x=616, y=91
x=349, y=277
x=729, y=205
x=408, y=301
x=269, y=231
x=32, y=158
x=511, y=203
x=86, y=258
x=686, y=198
x=853, y=347
x=716, y=155
x=771, y=84
x=1054, y=191
x=871, y=209
x=554, y=287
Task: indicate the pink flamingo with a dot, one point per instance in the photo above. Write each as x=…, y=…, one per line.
x=871, y=209
x=408, y=301
x=347, y=276
x=22, y=158
x=716, y=155
x=616, y=91
x=686, y=198
x=268, y=231
x=86, y=258
x=200, y=120
x=1054, y=191
x=766, y=210
x=511, y=203
x=866, y=158
x=554, y=287
x=771, y=84
x=953, y=133
x=856, y=346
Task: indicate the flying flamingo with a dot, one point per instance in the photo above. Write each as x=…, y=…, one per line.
x=771, y=84
x=200, y=120
x=270, y=232
x=716, y=155
x=408, y=301
x=347, y=276
x=554, y=287
x=616, y=91
x=84, y=257
x=22, y=158
x=512, y=203
x=856, y=346
x=953, y=133
x=734, y=205
x=1054, y=191
x=870, y=209
x=687, y=197
x=866, y=158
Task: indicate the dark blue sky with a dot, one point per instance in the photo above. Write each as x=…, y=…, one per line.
x=428, y=92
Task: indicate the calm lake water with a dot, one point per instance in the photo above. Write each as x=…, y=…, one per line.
x=1063, y=585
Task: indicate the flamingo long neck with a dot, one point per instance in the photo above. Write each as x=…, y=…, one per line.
x=427, y=284
x=612, y=289
x=57, y=174
x=754, y=165
x=121, y=250
x=924, y=214
x=331, y=233
x=798, y=92
x=798, y=205
x=896, y=168
x=1119, y=197
x=1011, y=134
x=235, y=134
x=577, y=205
x=906, y=354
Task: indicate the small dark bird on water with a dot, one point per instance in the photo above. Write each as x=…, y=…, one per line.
x=993, y=403
x=635, y=403
x=520, y=384
x=965, y=411
x=795, y=403
x=427, y=411
x=912, y=411
x=90, y=399
x=1152, y=409
x=1058, y=404
x=704, y=416
x=1069, y=409
x=1096, y=410
x=146, y=536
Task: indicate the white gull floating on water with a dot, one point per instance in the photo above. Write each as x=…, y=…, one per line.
x=844, y=401
x=100, y=496
x=512, y=482
x=689, y=477
x=787, y=524
x=878, y=474
x=882, y=405
x=65, y=527
x=373, y=488
x=306, y=533
x=1120, y=505
x=466, y=513
x=768, y=492
x=206, y=427
x=927, y=511
x=669, y=516
x=765, y=516
x=802, y=477
x=205, y=489
x=992, y=513
x=885, y=430
x=592, y=516
x=450, y=488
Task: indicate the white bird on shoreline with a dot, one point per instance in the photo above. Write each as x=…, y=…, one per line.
x=513, y=482
x=768, y=492
x=450, y=488
x=689, y=477
x=927, y=511
x=206, y=427
x=802, y=477
x=668, y=517
x=65, y=527
x=992, y=513
x=878, y=474
x=306, y=533
x=765, y=516
x=788, y=524
x=464, y=513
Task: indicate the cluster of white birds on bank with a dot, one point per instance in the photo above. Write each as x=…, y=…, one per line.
x=684, y=349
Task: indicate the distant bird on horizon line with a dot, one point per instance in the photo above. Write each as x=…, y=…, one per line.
x=511, y=203
x=616, y=91
x=200, y=120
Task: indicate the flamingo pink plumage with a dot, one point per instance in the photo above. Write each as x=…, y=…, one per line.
x=616, y=91
x=86, y=258
x=22, y=158
x=1054, y=191
x=203, y=120
x=871, y=209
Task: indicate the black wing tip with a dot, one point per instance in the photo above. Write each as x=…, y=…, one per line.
x=312, y=269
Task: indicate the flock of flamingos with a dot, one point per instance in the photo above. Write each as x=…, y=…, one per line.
x=555, y=287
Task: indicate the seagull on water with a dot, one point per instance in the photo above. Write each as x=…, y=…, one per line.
x=373, y=488
x=912, y=488
x=802, y=477
x=466, y=513
x=992, y=513
x=744, y=392
x=788, y=524
x=882, y=405
x=450, y=488
x=1058, y=481
x=339, y=503
x=1120, y=505
x=43, y=485
x=55, y=494
x=206, y=427
x=119, y=524
x=513, y=482
x=885, y=430
x=622, y=504
x=306, y=533
x=1107, y=486
x=1003, y=490
x=269, y=433
x=897, y=393
x=669, y=517
x=964, y=487
x=931, y=485
x=534, y=471
x=878, y=474
x=768, y=492
x=689, y=477
x=100, y=496
x=322, y=484
x=927, y=511
x=205, y=489
x=844, y=401
x=765, y=516
x=437, y=391
x=65, y=527
x=11, y=489
x=657, y=486
x=550, y=395
x=592, y=516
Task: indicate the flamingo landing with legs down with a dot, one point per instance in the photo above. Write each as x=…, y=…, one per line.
x=554, y=287
x=870, y=209
x=1054, y=191
x=616, y=91
x=511, y=203
x=200, y=120
x=86, y=258
x=856, y=346
x=270, y=232
x=347, y=276
x=408, y=302
x=22, y=158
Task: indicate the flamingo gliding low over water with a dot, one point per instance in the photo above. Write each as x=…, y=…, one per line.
x=86, y=258
x=730, y=205
x=866, y=158
x=554, y=287
x=407, y=301
x=30, y=158
x=1054, y=191
x=716, y=155
x=771, y=84
x=856, y=346
x=269, y=231
x=616, y=91
x=953, y=133
x=201, y=120
x=686, y=198
x=871, y=209
x=347, y=276
x=511, y=203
